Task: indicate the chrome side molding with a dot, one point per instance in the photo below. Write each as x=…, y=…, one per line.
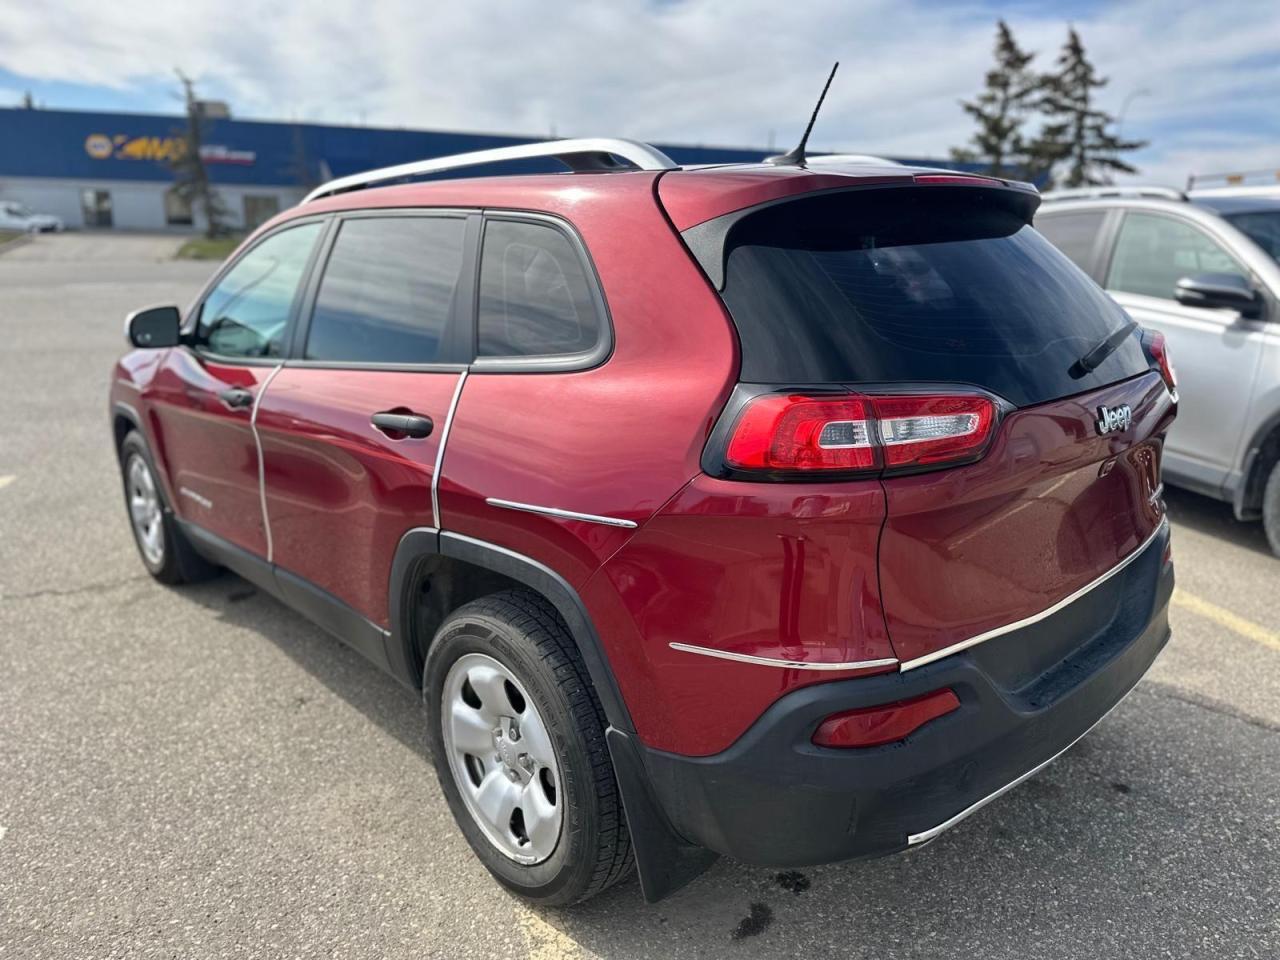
x=1035, y=617
x=783, y=664
x=560, y=514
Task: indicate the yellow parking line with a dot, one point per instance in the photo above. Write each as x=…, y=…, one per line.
x=1225, y=618
x=6, y=480
x=542, y=940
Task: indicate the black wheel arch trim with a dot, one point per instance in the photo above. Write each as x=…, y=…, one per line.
x=419, y=544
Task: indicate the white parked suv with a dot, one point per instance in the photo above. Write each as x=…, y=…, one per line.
x=1205, y=271
x=15, y=216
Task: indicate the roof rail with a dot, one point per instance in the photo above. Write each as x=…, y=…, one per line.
x=596, y=153
x=1240, y=179
x=825, y=158
x=1085, y=193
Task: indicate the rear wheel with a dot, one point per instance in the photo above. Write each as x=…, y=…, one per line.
x=1271, y=509
x=517, y=737
x=164, y=550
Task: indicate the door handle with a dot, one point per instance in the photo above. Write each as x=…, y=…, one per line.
x=237, y=398
x=405, y=424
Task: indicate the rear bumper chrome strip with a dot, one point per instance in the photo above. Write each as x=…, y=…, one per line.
x=560, y=514
x=1035, y=617
x=784, y=664
x=915, y=839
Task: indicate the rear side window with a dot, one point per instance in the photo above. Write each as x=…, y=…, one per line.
x=247, y=313
x=535, y=297
x=1075, y=234
x=1153, y=253
x=916, y=285
x=388, y=290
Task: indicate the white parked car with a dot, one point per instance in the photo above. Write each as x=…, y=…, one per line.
x=14, y=216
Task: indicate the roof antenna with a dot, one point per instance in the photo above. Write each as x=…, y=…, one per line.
x=796, y=157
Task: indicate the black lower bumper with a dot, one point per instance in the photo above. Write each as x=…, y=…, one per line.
x=773, y=798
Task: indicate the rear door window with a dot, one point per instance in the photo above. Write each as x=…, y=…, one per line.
x=917, y=285
x=535, y=296
x=1153, y=253
x=1075, y=234
x=387, y=294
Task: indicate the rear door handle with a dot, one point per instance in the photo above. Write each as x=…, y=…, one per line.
x=405, y=424
x=237, y=398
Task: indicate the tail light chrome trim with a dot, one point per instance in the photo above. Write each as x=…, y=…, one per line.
x=560, y=514
x=783, y=664
x=916, y=839
x=1036, y=617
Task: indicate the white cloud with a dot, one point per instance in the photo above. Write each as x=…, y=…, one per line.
x=709, y=71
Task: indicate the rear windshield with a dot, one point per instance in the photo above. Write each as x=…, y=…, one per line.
x=917, y=285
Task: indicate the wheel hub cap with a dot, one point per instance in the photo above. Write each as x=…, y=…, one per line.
x=145, y=511
x=502, y=759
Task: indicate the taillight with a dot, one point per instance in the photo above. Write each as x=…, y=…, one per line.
x=781, y=433
x=956, y=179
x=927, y=430
x=886, y=723
x=788, y=432
x=1158, y=347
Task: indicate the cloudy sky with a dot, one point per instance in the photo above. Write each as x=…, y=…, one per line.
x=1200, y=80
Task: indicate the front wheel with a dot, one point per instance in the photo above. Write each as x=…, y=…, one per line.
x=517, y=736
x=164, y=550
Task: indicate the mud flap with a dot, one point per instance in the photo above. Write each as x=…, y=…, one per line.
x=664, y=860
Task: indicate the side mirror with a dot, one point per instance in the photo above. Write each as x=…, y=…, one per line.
x=154, y=327
x=1219, y=290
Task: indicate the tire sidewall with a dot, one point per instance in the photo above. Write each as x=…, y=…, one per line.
x=570, y=865
x=1271, y=508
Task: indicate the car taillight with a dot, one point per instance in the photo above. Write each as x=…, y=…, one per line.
x=1158, y=347
x=928, y=430
x=886, y=723
x=802, y=433
x=790, y=432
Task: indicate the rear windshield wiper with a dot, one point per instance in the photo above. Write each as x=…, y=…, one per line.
x=1092, y=360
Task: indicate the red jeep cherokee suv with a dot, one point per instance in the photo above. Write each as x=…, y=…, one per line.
x=788, y=512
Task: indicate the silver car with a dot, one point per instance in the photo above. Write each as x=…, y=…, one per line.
x=1205, y=271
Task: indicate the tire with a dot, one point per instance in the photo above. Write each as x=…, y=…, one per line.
x=164, y=551
x=544, y=690
x=1271, y=509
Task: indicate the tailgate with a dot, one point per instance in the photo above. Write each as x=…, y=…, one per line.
x=1050, y=512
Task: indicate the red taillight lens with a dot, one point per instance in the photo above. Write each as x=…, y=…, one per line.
x=795, y=432
x=926, y=430
x=1159, y=349
x=887, y=723
x=787, y=432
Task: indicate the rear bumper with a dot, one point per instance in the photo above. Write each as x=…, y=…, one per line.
x=774, y=798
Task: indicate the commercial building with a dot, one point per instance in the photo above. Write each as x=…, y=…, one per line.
x=112, y=170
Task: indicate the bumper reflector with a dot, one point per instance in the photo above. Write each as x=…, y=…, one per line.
x=885, y=723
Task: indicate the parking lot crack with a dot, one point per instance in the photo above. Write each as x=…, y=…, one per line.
x=1213, y=706
x=103, y=587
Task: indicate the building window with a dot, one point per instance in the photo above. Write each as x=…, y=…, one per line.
x=96, y=205
x=177, y=209
x=259, y=209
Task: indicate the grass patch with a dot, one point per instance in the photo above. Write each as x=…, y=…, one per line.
x=7, y=235
x=203, y=248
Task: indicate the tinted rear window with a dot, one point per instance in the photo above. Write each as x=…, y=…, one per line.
x=916, y=285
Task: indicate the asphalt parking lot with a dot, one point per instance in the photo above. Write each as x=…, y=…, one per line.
x=201, y=773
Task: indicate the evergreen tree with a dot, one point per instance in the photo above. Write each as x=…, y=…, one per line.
x=1001, y=110
x=191, y=179
x=1075, y=131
